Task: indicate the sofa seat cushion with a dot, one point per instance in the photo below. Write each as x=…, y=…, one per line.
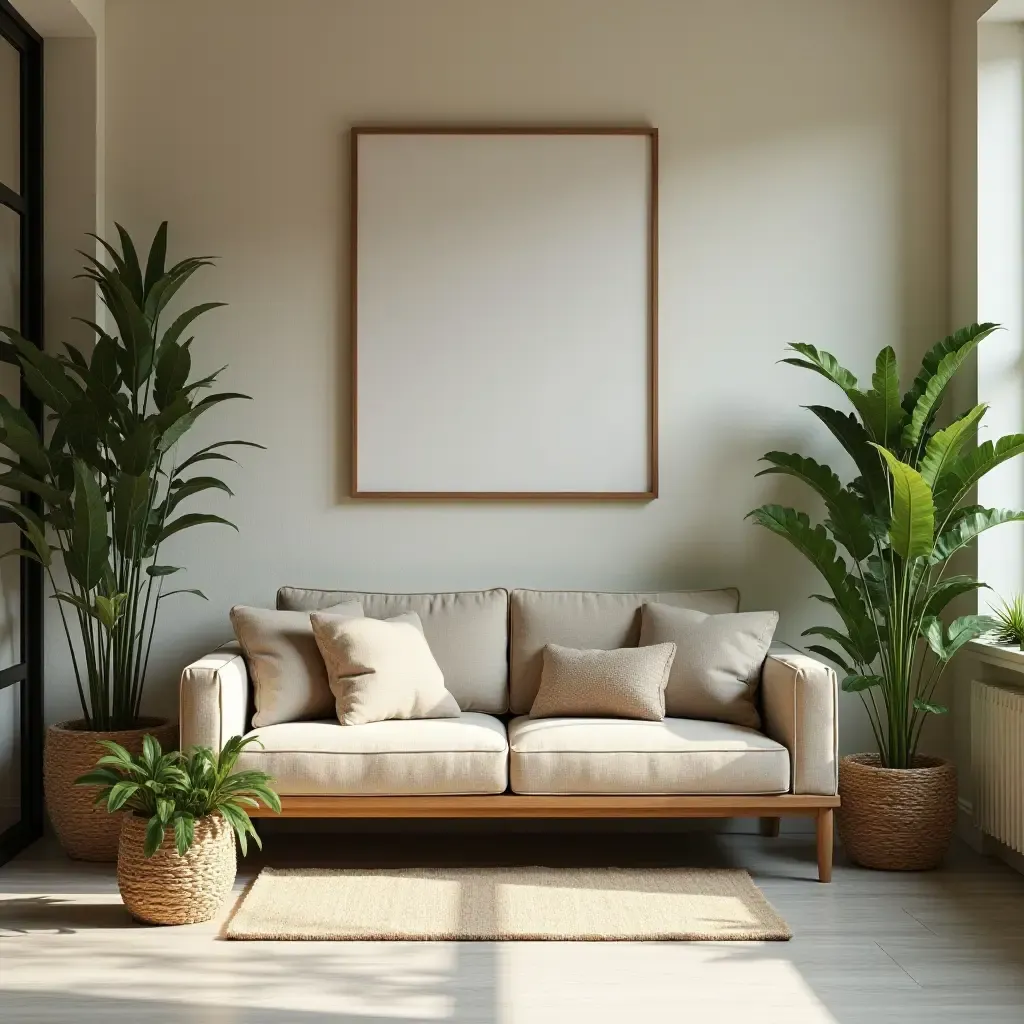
x=426, y=757
x=615, y=755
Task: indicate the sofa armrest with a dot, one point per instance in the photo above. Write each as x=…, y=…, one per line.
x=800, y=701
x=213, y=699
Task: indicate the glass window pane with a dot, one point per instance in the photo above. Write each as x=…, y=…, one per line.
x=10, y=268
x=10, y=116
x=10, y=756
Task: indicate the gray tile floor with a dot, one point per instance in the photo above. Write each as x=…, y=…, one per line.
x=939, y=947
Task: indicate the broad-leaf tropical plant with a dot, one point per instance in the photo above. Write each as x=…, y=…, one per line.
x=886, y=544
x=103, y=487
x=177, y=789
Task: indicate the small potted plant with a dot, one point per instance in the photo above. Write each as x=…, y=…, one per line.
x=101, y=491
x=176, y=855
x=1009, y=628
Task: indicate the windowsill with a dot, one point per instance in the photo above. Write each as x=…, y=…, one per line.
x=995, y=654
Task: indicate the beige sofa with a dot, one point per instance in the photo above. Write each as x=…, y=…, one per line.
x=494, y=761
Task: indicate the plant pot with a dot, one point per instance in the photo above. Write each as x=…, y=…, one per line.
x=87, y=832
x=170, y=889
x=896, y=819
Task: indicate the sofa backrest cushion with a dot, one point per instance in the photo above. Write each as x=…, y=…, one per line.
x=581, y=619
x=467, y=632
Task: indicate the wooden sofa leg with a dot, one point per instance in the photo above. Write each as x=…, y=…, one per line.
x=770, y=827
x=825, y=844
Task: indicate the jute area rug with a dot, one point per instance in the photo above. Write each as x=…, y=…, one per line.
x=509, y=903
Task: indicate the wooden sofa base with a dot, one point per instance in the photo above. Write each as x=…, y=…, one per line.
x=510, y=805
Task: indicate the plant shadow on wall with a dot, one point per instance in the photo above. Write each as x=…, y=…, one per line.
x=884, y=550
x=108, y=483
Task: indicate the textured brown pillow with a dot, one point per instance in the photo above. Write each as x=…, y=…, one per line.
x=289, y=681
x=624, y=683
x=717, y=670
x=379, y=669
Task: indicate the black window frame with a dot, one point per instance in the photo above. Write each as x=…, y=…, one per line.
x=28, y=204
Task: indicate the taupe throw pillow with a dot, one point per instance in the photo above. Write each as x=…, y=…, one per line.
x=717, y=669
x=379, y=669
x=625, y=683
x=289, y=680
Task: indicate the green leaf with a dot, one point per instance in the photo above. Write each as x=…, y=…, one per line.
x=824, y=363
x=830, y=655
x=132, y=269
x=137, y=453
x=208, y=453
x=928, y=708
x=19, y=481
x=851, y=647
x=182, y=489
x=846, y=515
x=880, y=408
x=172, y=369
x=815, y=544
x=110, y=609
x=177, y=328
x=850, y=433
x=157, y=256
x=944, y=446
x=162, y=570
x=968, y=468
x=184, y=833
x=912, y=526
x=131, y=508
x=187, y=521
x=856, y=683
x=19, y=433
x=965, y=629
x=154, y=836
x=961, y=631
x=120, y=794
x=86, y=557
x=967, y=529
x=940, y=594
x=935, y=355
x=171, y=593
x=98, y=777
x=928, y=403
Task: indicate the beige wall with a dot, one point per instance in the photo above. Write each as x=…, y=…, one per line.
x=804, y=195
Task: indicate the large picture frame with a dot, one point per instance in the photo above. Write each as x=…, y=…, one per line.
x=503, y=312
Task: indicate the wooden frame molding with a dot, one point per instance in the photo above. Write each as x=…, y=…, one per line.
x=651, y=133
x=510, y=805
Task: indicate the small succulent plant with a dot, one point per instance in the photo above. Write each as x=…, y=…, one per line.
x=1009, y=617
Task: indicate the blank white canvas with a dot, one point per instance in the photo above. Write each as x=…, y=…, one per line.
x=502, y=313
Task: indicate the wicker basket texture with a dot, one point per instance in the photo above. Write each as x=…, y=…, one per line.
x=896, y=819
x=87, y=832
x=171, y=889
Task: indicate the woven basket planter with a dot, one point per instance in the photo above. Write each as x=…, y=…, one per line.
x=87, y=832
x=896, y=819
x=169, y=889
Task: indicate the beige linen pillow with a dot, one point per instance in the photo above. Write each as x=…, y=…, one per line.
x=624, y=683
x=289, y=681
x=379, y=669
x=717, y=671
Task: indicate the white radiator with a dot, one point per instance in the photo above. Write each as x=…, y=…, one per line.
x=997, y=761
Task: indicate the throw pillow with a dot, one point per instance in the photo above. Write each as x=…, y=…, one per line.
x=718, y=668
x=624, y=683
x=379, y=669
x=289, y=681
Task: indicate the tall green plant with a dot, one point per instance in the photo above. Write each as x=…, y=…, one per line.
x=886, y=544
x=108, y=482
